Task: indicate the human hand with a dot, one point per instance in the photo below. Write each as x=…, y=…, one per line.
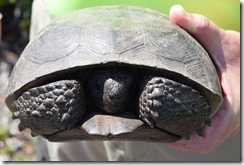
x=224, y=49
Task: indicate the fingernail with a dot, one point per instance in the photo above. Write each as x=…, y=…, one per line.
x=179, y=9
x=182, y=10
x=178, y=15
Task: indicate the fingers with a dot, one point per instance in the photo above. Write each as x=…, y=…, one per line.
x=205, y=31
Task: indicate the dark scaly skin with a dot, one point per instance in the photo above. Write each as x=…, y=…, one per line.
x=50, y=108
x=173, y=107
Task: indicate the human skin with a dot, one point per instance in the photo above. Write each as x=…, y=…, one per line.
x=224, y=49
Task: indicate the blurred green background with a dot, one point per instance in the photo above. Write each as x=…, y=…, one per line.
x=225, y=13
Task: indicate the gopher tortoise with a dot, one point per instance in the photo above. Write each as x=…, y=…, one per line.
x=114, y=73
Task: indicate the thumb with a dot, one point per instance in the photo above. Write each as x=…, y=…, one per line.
x=201, y=28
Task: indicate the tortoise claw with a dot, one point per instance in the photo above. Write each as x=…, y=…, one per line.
x=34, y=134
x=200, y=132
x=187, y=138
x=208, y=121
x=21, y=127
x=148, y=121
x=15, y=115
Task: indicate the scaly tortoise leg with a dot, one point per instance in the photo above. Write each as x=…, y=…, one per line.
x=174, y=107
x=51, y=108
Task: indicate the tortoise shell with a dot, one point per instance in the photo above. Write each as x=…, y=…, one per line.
x=115, y=36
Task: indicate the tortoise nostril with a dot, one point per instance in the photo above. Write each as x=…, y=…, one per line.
x=114, y=98
x=111, y=98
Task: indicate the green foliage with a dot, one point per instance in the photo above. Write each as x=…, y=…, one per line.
x=24, y=8
x=23, y=157
x=4, y=2
x=3, y=132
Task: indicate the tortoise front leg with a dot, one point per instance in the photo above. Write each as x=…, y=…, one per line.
x=51, y=108
x=172, y=106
